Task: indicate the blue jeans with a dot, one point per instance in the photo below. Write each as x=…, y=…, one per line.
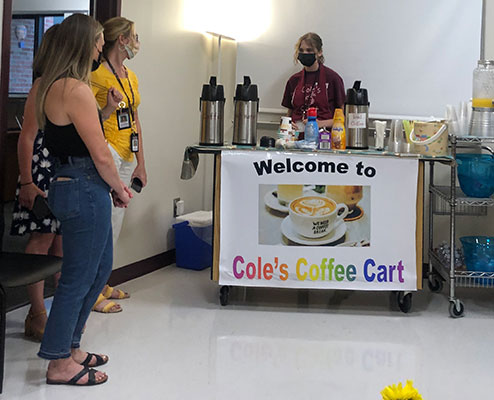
x=80, y=200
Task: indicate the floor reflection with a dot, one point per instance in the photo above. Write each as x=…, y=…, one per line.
x=177, y=342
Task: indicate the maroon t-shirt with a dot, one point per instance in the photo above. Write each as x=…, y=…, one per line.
x=306, y=89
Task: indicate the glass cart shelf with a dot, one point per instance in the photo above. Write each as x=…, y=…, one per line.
x=463, y=278
x=444, y=193
x=474, y=139
x=369, y=152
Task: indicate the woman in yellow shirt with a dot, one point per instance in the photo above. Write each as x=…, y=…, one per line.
x=116, y=89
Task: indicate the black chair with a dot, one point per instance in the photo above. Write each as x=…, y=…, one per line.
x=16, y=270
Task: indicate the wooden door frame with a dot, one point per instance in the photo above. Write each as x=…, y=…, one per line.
x=105, y=9
x=4, y=84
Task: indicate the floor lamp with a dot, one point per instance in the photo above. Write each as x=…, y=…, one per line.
x=220, y=38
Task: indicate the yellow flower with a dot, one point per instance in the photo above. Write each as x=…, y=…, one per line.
x=399, y=392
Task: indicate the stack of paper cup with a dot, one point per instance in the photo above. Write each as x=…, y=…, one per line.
x=286, y=131
x=459, y=121
x=395, y=136
x=452, y=119
x=286, y=123
x=380, y=133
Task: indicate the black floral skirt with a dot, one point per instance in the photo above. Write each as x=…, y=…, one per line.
x=23, y=220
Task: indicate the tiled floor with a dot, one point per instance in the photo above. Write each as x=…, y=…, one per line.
x=174, y=341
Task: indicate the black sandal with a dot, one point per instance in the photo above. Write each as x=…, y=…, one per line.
x=73, y=382
x=99, y=360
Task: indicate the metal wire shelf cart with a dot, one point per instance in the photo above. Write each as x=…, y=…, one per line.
x=450, y=200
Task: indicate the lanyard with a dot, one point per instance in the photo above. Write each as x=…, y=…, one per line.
x=131, y=105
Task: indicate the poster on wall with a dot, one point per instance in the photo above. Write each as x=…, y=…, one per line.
x=313, y=220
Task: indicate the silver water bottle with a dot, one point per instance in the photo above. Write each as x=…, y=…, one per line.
x=245, y=117
x=212, y=105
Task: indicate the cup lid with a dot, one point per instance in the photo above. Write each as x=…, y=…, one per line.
x=312, y=112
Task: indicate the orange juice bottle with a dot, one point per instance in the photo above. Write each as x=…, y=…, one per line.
x=338, y=134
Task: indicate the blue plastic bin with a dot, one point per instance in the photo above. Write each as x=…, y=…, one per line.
x=479, y=253
x=193, y=246
x=479, y=256
x=476, y=174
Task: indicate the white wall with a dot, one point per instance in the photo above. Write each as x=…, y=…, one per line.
x=32, y=6
x=227, y=79
x=172, y=66
x=467, y=225
x=383, y=43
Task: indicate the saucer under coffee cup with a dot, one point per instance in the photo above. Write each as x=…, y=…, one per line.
x=316, y=216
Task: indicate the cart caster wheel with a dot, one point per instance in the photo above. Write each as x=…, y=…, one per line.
x=435, y=285
x=224, y=293
x=456, y=309
x=404, y=301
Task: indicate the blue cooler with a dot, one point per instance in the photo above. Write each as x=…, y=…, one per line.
x=193, y=240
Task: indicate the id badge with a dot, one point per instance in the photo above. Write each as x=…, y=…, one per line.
x=134, y=142
x=123, y=118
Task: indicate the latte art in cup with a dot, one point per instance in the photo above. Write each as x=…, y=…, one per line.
x=316, y=216
x=313, y=206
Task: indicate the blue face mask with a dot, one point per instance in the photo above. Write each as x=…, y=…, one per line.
x=307, y=59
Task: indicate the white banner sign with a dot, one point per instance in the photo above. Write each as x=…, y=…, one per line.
x=311, y=220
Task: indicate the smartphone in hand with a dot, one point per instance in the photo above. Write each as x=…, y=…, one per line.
x=41, y=210
x=136, y=185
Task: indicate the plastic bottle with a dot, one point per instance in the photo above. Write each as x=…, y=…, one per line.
x=338, y=134
x=324, y=139
x=311, y=133
x=483, y=84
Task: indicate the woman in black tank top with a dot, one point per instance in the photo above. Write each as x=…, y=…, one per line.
x=79, y=198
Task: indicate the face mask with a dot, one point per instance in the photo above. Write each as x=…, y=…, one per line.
x=132, y=51
x=307, y=59
x=96, y=63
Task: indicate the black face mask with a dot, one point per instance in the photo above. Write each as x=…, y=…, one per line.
x=96, y=63
x=307, y=59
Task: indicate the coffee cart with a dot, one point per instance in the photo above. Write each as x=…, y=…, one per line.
x=253, y=239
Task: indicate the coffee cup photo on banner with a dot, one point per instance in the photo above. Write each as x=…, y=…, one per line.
x=314, y=215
